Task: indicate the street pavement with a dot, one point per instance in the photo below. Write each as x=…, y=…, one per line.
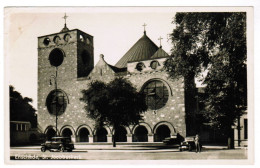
x=127, y=152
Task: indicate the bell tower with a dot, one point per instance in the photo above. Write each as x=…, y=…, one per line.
x=71, y=50
x=65, y=57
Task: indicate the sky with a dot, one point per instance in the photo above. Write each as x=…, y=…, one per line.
x=115, y=31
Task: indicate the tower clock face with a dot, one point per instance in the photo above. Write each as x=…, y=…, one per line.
x=56, y=102
x=156, y=94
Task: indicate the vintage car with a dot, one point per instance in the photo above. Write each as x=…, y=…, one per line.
x=188, y=144
x=58, y=143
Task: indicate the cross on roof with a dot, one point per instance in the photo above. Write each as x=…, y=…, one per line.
x=65, y=17
x=160, y=38
x=144, y=26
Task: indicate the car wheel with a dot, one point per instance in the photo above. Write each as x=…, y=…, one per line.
x=180, y=149
x=70, y=150
x=62, y=149
x=43, y=149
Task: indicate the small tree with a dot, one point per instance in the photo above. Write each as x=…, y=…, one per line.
x=114, y=104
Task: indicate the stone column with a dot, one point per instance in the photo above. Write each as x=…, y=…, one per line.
x=90, y=138
x=150, y=137
x=109, y=138
x=174, y=135
x=129, y=137
x=77, y=138
x=73, y=138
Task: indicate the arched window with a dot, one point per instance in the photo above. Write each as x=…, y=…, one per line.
x=140, y=134
x=83, y=135
x=120, y=134
x=56, y=39
x=88, y=41
x=140, y=66
x=50, y=133
x=66, y=132
x=67, y=37
x=162, y=132
x=154, y=64
x=101, y=135
x=81, y=38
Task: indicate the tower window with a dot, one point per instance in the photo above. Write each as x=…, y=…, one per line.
x=88, y=41
x=56, y=39
x=46, y=41
x=81, y=38
x=67, y=37
x=56, y=57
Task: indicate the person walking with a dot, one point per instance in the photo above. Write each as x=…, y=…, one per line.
x=197, y=143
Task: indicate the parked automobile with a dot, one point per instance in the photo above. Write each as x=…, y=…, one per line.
x=188, y=144
x=58, y=143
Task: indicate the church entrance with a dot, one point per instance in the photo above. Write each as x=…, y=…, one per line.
x=50, y=133
x=140, y=134
x=162, y=132
x=83, y=135
x=66, y=132
x=101, y=135
x=120, y=134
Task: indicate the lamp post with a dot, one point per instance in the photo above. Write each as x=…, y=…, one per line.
x=56, y=98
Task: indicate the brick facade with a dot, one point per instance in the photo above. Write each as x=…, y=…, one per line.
x=74, y=75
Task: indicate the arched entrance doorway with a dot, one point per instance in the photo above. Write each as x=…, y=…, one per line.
x=120, y=134
x=50, y=133
x=101, y=135
x=83, y=135
x=162, y=132
x=141, y=134
x=66, y=132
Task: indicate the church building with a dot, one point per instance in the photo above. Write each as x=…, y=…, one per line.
x=66, y=67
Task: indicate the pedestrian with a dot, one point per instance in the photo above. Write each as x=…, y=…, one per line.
x=197, y=143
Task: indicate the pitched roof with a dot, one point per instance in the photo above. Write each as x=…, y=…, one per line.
x=117, y=70
x=160, y=53
x=143, y=49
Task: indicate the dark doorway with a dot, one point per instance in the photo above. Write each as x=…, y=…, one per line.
x=101, y=135
x=83, y=135
x=66, y=132
x=141, y=134
x=120, y=134
x=162, y=132
x=50, y=133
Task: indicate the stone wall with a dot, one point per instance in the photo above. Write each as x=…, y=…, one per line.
x=74, y=118
x=174, y=111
